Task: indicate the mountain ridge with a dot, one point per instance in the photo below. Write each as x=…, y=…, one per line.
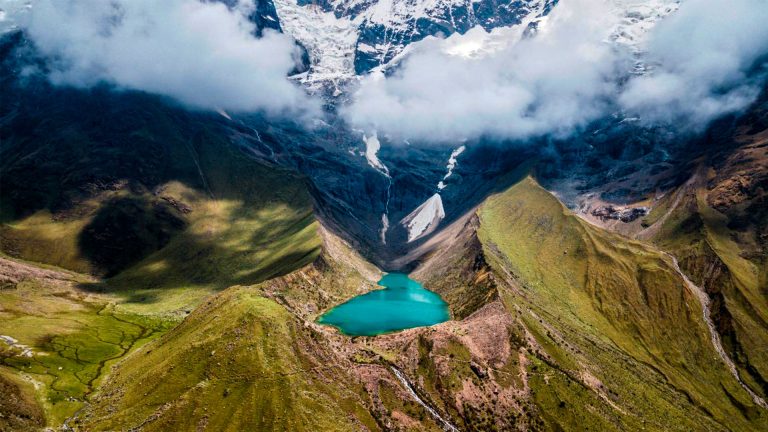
x=164, y=268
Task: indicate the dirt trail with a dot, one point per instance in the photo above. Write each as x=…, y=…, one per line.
x=716, y=342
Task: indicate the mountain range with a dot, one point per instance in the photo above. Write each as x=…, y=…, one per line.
x=163, y=267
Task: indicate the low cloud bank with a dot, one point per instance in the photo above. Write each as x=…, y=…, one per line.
x=707, y=63
x=701, y=59
x=203, y=54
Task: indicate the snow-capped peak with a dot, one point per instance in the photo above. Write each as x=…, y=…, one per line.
x=345, y=38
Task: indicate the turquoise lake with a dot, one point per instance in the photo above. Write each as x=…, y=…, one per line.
x=402, y=304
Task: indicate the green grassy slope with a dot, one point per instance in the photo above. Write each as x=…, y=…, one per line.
x=158, y=200
x=731, y=268
x=716, y=224
x=239, y=362
x=614, y=310
x=159, y=204
x=247, y=224
x=19, y=411
x=247, y=359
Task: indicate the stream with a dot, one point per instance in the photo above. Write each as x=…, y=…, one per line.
x=445, y=423
x=716, y=342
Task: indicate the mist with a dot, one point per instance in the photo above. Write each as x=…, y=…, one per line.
x=702, y=62
x=707, y=60
x=202, y=54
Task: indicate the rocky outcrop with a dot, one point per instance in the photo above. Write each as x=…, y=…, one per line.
x=743, y=175
x=623, y=214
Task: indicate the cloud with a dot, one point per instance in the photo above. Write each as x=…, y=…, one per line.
x=200, y=53
x=705, y=57
x=550, y=83
x=569, y=74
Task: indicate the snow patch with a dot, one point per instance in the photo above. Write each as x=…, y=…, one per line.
x=225, y=115
x=638, y=17
x=330, y=41
x=332, y=38
x=425, y=218
x=372, y=147
x=478, y=43
x=452, y=162
x=363, y=47
x=384, y=228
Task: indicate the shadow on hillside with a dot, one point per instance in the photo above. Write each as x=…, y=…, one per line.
x=127, y=229
x=212, y=259
x=100, y=157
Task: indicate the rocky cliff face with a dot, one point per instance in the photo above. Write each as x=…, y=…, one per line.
x=366, y=195
x=347, y=38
